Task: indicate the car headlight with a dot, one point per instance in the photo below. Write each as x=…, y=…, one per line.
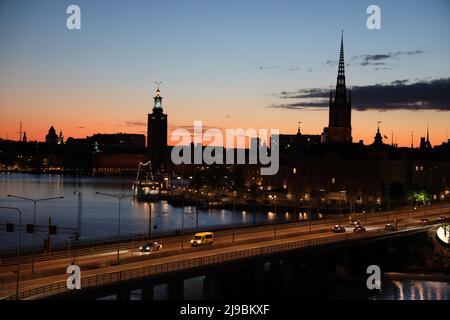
x=140, y=248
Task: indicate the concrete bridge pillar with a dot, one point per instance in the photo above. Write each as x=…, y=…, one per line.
x=288, y=277
x=258, y=277
x=275, y=265
x=147, y=292
x=175, y=289
x=212, y=289
x=123, y=294
x=343, y=263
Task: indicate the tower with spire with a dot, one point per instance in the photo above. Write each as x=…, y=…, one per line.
x=378, y=140
x=340, y=129
x=157, y=134
x=426, y=144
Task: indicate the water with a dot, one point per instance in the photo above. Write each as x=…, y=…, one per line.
x=99, y=213
x=414, y=290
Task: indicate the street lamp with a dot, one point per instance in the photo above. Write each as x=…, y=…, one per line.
x=35, y=201
x=118, y=226
x=18, y=247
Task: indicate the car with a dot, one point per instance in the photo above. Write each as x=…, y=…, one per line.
x=442, y=219
x=338, y=229
x=390, y=227
x=202, y=238
x=359, y=228
x=150, y=246
x=424, y=221
x=354, y=223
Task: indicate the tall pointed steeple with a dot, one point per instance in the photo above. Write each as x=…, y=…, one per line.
x=341, y=90
x=341, y=70
x=340, y=129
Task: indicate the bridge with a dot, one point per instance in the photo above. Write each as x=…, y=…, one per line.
x=103, y=275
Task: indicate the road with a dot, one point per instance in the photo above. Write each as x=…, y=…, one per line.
x=178, y=248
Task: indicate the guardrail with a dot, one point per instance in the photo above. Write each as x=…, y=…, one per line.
x=108, y=278
x=58, y=246
x=105, y=244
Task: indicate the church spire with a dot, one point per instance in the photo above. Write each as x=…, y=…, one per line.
x=340, y=129
x=341, y=70
x=341, y=90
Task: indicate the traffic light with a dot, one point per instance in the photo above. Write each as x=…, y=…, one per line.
x=52, y=230
x=30, y=228
x=10, y=227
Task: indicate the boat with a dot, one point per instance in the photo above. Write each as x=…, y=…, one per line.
x=145, y=187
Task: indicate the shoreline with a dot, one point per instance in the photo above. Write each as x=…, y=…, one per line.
x=425, y=276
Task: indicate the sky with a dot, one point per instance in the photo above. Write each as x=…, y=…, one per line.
x=231, y=64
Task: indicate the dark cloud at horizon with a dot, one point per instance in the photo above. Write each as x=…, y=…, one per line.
x=397, y=95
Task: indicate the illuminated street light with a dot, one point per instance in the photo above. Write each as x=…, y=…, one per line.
x=118, y=226
x=35, y=201
x=18, y=248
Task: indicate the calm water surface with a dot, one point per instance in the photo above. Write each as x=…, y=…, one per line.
x=99, y=213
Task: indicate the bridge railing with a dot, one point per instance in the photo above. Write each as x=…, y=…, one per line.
x=109, y=278
x=104, y=244
x=60, y=248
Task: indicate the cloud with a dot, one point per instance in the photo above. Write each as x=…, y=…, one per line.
x=397, y=95
x=381, y=59
x=135, y=123
x=286, y=68
x=268, y=67
x=377, y=60
x=293, y=68
x=81, y=127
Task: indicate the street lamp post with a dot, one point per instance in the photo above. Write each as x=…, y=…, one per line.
x=77, y=234
x=18, y=247
x=120, y=198
x=35, y=202
x=234, y=213
x=149, y=219
x=182, y=226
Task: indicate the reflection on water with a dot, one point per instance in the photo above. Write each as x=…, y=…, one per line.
x=415, y=290
x=100, y=213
